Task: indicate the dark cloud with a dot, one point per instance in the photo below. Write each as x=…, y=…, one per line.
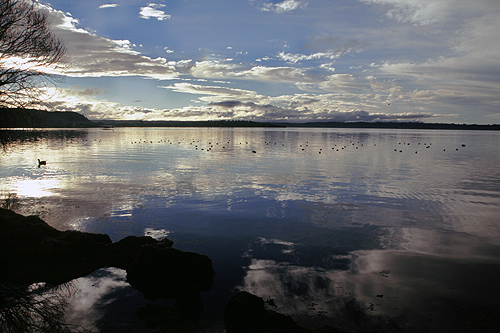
x=294, y=104
x=226, y=104
x=294, y=112
x=84, y=109
x=90, y=92
x=365, y=116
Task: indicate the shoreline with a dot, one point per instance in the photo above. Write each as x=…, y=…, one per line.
x=232, y=125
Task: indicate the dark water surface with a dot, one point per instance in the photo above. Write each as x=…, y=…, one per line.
x=334, y=225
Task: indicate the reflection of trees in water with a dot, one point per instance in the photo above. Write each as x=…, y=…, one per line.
x=34, y=308
x=10, y=140
x=11, y=202
x=40, y=207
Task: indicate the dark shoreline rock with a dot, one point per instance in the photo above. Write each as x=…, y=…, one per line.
x=31, y=251
x=123, y=252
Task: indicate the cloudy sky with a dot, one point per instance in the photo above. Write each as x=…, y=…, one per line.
x=291, y=60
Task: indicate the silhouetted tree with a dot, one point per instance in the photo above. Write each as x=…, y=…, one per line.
x=27, y=47
x=34, y=308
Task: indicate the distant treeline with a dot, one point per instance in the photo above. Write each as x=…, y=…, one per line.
x=246, y=123
x=394, y=125
x=27, y=118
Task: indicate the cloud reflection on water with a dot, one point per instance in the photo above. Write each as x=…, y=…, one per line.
x=126, y=167
x=92, y=294
x=325, y=230
x=157, y=234
x=425, y=289
x=104, y=301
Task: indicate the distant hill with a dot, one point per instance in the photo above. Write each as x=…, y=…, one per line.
x=27, y=118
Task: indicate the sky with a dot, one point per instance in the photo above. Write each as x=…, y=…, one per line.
x=291, y=60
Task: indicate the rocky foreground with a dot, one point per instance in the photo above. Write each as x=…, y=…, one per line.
x=31, y=252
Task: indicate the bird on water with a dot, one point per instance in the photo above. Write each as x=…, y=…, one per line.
x=41, y=162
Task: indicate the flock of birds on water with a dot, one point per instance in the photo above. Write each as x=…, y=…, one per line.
x=303, y=147
x=210, y=145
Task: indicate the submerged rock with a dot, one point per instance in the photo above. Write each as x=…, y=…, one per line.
x=165, y=319
x=246, y=313
x=160, y=271
x=190, y=304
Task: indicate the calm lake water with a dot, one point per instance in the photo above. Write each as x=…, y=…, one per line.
x=334, y=225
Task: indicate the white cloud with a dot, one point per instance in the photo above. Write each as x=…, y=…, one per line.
x=412, y=11
x=282, y=7
x=109, y=5
x=152, y=11
x=454, y=65
x=328, y=66
x=215, y=69
x=344, y=82
x=460, y=66
x=231, y=103
x=294, y=58
x=324, y=47
x=218, y=93
x=107, y=57
x=89, y=55
x=247, y=104
x=470, y=69
x=281, y=74
x=225, y=69
x=424, y=12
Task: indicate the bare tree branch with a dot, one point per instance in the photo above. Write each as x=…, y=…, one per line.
x=27, y=49
x=35, y=308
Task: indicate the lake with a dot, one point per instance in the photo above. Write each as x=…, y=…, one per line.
x=399, y=228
